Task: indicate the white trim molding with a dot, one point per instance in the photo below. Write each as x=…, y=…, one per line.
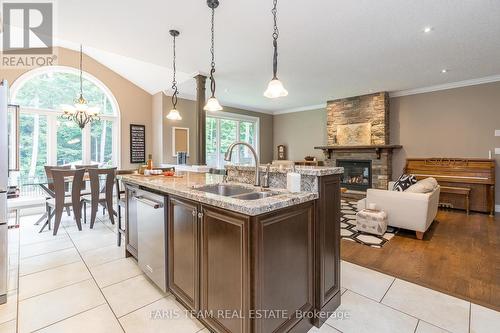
x=445, y=86
x=301, y=109
x=497, y=208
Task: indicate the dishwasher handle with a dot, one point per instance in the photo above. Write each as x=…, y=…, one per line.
x=149, y=202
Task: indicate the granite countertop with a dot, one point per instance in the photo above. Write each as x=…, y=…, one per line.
x=303, y=170
x=186, y=187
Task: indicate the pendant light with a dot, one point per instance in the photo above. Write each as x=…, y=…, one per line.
x=80, y=112
x=174, y=114
x=275, y=88
x=212, y=103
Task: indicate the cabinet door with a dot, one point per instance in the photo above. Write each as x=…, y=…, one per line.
x=327, y=228
x=183, y=254
x=225, y=265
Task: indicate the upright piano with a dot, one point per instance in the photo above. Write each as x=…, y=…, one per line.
x=473, y=173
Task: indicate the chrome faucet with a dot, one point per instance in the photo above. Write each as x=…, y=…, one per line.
x=266, y=176
x=229, y=154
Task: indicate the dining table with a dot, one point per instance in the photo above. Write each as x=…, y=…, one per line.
x=45, y=183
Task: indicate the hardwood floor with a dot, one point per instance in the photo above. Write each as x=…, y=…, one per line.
x=459, y=255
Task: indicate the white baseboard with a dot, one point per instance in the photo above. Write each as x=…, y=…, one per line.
x=497, y=208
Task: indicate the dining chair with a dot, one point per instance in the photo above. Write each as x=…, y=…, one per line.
x=98, y=196
x=56, y=205
x=86, y=166
x=48, y=174
x=121, y=202
x=86, y=190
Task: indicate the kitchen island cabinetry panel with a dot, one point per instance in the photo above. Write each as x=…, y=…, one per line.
x=268, y=265
x=225, y=268
x=183, y=254
x=283, y=261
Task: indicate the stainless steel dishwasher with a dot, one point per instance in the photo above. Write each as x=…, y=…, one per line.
x=152, y=240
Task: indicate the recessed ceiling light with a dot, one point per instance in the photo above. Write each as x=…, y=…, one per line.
x=427, y=29
x=444, y=71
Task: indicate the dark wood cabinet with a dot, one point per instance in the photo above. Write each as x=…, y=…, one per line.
x=283, y=265
x=245, y=264
x=327, y=248
x=183, y=254
x=225, y=268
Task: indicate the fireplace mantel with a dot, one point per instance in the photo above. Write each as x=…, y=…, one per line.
x=328, y=150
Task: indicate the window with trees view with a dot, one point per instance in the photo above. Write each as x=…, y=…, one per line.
x=224, y=129
x=46, y=138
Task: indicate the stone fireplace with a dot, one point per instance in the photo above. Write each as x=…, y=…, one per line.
x=358, y=131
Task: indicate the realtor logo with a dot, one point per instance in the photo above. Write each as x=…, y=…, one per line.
x=27, y=28
x=27, y=34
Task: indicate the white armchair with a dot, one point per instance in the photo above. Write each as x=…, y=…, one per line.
x=413, y=211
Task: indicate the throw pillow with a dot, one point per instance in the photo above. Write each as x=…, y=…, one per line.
x=426, y=185
x=404, y=182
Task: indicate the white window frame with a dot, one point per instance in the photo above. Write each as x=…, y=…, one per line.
x=238, y=118
x=52, y=115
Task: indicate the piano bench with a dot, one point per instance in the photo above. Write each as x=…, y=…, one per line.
x=465, y=191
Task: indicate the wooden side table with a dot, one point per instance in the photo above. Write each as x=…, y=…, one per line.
x=465, y=191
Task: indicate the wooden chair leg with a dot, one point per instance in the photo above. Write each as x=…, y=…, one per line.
x=93, y=213
x=78, y=216
x=111, y=211
x=419, y=234
x=57, y=222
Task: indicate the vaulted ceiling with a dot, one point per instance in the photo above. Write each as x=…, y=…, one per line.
x=328, y=48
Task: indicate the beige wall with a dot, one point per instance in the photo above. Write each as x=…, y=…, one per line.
x=452, y=123
x=300, y=132
x=187, y=108
x=135, y=103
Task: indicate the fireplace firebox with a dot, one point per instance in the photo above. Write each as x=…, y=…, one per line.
x=357, y=174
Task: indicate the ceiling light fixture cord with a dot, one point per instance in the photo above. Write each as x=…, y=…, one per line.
x=274, y=11
x=212, y=51
x=81, y=70
x=174, y=82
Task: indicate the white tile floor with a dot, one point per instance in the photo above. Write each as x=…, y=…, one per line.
x=82, y=282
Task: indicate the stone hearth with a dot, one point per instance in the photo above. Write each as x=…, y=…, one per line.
x=358, y=129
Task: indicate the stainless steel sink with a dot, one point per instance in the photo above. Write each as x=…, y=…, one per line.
x=227, y=190
x=255, y=195
x=236, y=191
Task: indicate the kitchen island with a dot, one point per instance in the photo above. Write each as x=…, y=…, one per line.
x=243, y=259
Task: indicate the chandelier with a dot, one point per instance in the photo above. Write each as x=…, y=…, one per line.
x=80, y=112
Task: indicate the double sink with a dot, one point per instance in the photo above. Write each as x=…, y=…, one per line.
x=237, y=191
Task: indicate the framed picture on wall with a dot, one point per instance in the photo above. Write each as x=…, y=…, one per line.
x=137, y=144
x=180, y=140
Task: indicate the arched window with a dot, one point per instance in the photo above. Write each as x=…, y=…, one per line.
x=46, y=138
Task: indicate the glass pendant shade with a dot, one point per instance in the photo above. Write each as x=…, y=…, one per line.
x=174, y=115
x=212, y=105
x=275, y=89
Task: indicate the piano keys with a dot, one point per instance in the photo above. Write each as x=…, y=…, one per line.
x=476, y=174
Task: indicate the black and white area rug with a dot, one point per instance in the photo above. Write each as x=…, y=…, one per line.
x=348, y=228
